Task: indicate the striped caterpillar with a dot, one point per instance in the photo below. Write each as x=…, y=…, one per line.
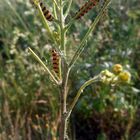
x=55, y=61
x=85, y=8
x=45, y=12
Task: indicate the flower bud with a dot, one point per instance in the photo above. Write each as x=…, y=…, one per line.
x=124, y=76
x=107, y=77
x=117, y=68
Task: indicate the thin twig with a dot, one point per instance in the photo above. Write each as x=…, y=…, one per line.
x=80, y=91
x=45, y=23
x=68, y=9
x=54, y=1
x=65, y=88
x=44, y=66
x=54, y=11
x=62, y=28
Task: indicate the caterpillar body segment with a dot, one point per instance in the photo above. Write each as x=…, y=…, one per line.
x=85, y=8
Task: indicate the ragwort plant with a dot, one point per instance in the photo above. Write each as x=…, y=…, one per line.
x=57, y=31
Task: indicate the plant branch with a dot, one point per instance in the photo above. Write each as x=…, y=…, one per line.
x=45, y=23
x=68, y=9
x=62, y=28
x=54, y=10
x=54, y=1
x=80, y=91
x=65, y=76
x=65, y=89
x=93, y=25
x=44, y=66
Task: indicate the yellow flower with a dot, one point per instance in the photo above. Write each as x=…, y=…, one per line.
x=125, y=76
x=117, y=68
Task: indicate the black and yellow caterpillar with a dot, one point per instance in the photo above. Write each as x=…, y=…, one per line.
x=45, y=11
x=85, y=8
x=55, y=61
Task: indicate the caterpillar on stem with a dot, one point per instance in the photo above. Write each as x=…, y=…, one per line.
x=86, y=8
x=56, y=62
x=47, y=14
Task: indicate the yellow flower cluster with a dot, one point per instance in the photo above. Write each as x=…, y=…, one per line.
x=123, y=75
x=119, y=75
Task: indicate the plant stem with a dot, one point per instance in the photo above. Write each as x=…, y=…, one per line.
x=44, y=66
x=65, y=76
x=130, y=123
x=66, y=114
x=80, y=91
x=54, y=11
x=62, y=28
x=68, y=9
x=64, y=91
x=92, y=27
x=54, y=1
x=46, y=23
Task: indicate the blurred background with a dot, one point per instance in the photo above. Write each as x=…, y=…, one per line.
x=29, y=102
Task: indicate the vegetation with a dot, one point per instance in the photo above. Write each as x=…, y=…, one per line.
x=30, y=99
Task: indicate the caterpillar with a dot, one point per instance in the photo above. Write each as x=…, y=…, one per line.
x=55, y=61
x=45, y=11
x=85, y=8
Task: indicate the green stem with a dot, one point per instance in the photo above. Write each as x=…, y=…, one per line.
x=130, y=123
x=54, y=10
x=68, y=9
x=44, y=66
x=62, y=28
x=93, y=25
x=65, y=76
x=66, y=90
x=45, y=23
x=80, y=91
x=54, y=1
x=66, y=116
